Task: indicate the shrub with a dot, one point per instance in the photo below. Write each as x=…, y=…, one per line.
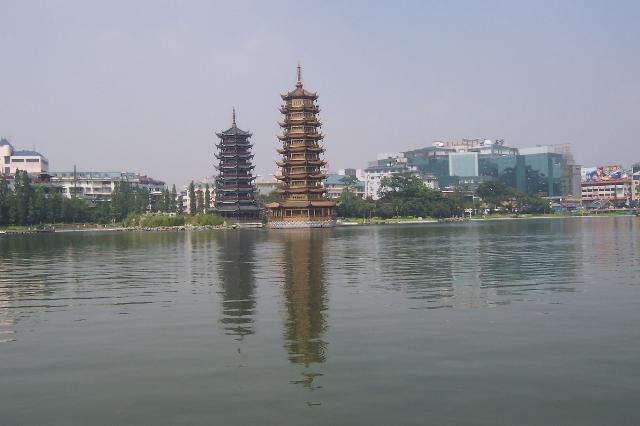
x=153, y=221
x=204, y=219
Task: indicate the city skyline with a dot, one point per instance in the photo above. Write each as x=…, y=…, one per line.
x=114, y=87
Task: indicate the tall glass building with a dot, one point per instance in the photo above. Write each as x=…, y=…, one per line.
x=547, y=174
x=544, y=170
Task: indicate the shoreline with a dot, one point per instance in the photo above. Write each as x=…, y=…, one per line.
x=479, y=219
x=340, y=223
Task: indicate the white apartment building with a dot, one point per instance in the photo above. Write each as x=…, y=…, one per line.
x=386, y=165
x=199, y=186
x=98, y=186
x=12, y=159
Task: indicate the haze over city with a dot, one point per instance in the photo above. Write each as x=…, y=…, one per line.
x=142, y=86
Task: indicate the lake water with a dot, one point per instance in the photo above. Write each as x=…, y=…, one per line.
x=504, y=322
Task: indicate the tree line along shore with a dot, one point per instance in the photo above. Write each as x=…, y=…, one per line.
x=402, y=198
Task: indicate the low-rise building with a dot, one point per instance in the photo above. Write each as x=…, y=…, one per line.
x=356, y=173
x=607, y=185
x=614, y=192
x=336, y=185
x=430, y=181
x=266, y=184
x=98, y=186
x=12, y=159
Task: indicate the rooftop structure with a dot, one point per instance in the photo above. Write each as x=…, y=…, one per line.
x=303, y=202
x=235, y=190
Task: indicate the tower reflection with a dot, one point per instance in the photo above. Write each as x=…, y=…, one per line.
x=305, y=298
x=235, y=267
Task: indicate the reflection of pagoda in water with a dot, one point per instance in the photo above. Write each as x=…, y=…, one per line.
x=237, y=282
x=303, y=202
x=305, y=295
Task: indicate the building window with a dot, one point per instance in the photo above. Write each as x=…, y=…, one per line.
x=7, y=159
x=33, y=160
x=17, y=160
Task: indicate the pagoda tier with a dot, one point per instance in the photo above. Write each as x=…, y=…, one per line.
x=293, y=162
x=240, y=145
x=232, y=155
x=223, y=166
x=286, y=123
x=289, y=135
x=235, y=191
x=303, y=202
x=221, y=186
x=294, y=190
x=234, y=177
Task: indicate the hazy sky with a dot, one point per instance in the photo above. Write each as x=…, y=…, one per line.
x=143, y=85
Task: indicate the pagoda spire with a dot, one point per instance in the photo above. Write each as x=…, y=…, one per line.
x=299, y=82
x=233, y=117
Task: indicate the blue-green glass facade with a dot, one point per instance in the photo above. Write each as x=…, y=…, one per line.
x=463, y=164
x=547, y=174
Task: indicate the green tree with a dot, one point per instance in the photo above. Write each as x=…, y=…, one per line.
x=167, y=201
x=22, y=198
x=272, y=196
x=55, y=208
x=350, y=205
x=141, y=200
x=495, y=192
x=121, y=200
x=174, y=199
x=192, y=198
x=407, y=195
x=6, y=198
x=404, y=184
x=200, y=205
x=207, y=198
x=349, y=182
x=180, y=204
x=532, y=203
x=38, y=206
x=101, y=212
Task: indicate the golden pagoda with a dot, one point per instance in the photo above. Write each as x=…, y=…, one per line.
x=303, y=203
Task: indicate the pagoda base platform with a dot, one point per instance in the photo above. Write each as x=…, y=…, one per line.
x=302, y=223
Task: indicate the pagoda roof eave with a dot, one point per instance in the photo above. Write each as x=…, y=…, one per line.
x=299, y=190
x=298, y=108
x=300, y=149
x=318, y=176
x=233, y=131
x=298, y=204
x=299, y=93
x=316, y=136
x=246, y=145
